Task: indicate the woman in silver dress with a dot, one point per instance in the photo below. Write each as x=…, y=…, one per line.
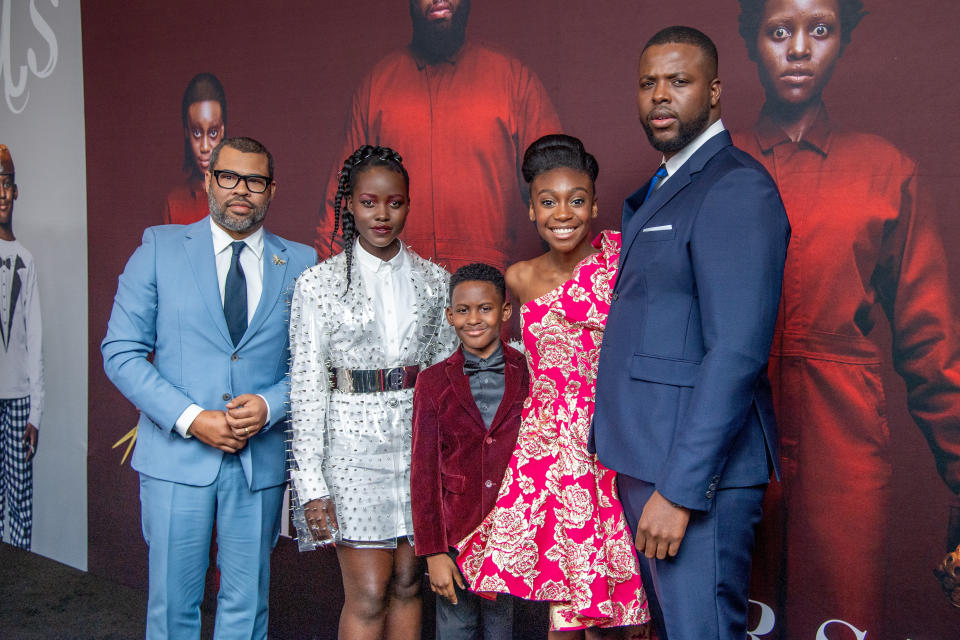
x=362, y=324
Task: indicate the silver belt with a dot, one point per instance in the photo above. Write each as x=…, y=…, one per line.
x=374, y=380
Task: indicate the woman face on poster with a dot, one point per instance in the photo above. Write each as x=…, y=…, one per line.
x=798, y=43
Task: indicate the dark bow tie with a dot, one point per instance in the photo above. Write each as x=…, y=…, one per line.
x=493, y=365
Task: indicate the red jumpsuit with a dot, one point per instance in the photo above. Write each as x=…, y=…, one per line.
x=861, y=250
x=461, y=126
x=186, y=203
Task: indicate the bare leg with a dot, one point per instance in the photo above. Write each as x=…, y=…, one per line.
x=406, y=606
x=366, y=580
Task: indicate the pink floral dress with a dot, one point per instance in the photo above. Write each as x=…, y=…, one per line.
x=558, y=531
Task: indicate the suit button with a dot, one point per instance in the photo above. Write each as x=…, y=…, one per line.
x=489, y=440
x=709, y=494
x=488, y=484
x=234, y=357
x=226, y=396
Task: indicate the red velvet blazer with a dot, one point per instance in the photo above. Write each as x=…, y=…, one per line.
x=457, y=464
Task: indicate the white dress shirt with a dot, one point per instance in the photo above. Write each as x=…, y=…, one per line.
x=21, y=362
x=674, y=163
x=251, y=261
x=389, y=287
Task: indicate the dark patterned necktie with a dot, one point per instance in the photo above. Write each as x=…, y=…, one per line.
x=235, y=296
x=657, y=177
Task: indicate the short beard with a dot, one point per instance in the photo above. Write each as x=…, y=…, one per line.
x=229, y=221
x=685, y=134
x=438, y=42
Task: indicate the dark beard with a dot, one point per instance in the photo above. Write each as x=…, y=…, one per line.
x=438, y=42
x=685, y=134
x=229, y=221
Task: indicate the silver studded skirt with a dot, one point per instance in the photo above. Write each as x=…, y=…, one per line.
x=355, y=447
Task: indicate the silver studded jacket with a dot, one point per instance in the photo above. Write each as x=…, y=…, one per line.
x=355, y=447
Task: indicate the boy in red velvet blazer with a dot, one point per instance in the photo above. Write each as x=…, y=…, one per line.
x=466, y=416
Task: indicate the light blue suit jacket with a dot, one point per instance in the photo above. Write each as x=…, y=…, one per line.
x=683, y=401
x=168, y=302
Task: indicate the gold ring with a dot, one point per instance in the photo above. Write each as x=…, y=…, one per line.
x=246, y=431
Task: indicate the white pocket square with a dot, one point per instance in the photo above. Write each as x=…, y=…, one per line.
x=663, y=227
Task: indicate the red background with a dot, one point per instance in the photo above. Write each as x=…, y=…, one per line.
x=289, y=68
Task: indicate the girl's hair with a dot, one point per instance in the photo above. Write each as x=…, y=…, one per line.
x=202, y=87
x=557, y=151
x=366, y=157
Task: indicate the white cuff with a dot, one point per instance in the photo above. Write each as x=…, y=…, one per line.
x=267, y=423
x=186, y=419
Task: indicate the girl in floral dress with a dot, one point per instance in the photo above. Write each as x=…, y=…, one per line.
x=558, y=532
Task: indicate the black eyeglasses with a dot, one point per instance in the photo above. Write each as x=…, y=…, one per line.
x=230, y=179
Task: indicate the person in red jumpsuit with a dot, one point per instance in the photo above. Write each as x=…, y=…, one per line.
x=863, y=251
x=204, y=115
x=461, y=115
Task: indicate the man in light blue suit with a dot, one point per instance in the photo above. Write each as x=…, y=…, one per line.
x=683, y=406
x=210, y=301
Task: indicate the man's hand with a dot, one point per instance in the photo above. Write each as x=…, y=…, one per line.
x=30, y=436
x=246, y=415
x=661, y=527
x=443, y=573
x=321, y=516
x=210, y=427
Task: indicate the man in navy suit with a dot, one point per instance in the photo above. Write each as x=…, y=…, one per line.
x=210, y=301
x=683, y=409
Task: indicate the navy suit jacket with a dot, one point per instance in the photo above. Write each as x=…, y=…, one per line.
x=683, y=400
x=168, y=302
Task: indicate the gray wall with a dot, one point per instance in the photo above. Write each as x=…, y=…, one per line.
x=41, y=120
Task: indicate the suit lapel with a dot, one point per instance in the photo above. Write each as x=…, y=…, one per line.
x=512, y=375
x=15, y=285
x=460, y=384
x=636, y=213
x=274, y=272
x=198, y=245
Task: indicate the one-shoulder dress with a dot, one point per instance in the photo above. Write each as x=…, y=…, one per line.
x=558, y=531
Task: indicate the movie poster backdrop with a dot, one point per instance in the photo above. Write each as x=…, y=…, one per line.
x=870, y=193
x=41, y=122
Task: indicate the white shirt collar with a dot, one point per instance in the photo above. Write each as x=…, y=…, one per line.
x=222, y=240
x=373, y=263
x=674, y=163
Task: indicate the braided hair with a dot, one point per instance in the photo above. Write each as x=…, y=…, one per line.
x=366, y=157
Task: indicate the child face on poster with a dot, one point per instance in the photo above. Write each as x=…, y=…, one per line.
x=204, y=130
x=8, y=188
x=380, y=203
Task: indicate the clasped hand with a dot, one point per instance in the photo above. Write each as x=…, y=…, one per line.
x=231, y=429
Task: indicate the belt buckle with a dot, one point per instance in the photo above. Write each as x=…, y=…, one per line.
x=394, y=379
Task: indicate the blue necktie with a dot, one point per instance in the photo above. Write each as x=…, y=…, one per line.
x=235, y=296
x=657, y=177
